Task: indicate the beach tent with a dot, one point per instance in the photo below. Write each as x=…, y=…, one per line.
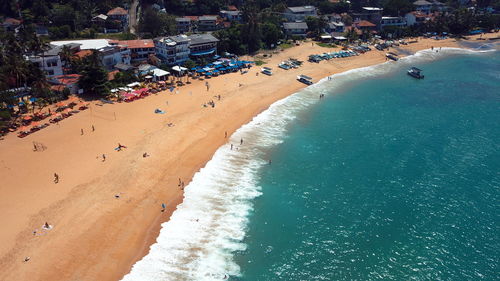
x=135, y=84
x=179, y=68
x=160, y=74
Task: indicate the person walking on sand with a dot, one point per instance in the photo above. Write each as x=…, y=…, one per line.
x=103, y=157
x=241, y=141
x=225, y=134
x=56, y=178
x=163, y=207
x=81, y=132
x=93, y=129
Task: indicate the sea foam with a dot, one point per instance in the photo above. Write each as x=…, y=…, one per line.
x=199, y=240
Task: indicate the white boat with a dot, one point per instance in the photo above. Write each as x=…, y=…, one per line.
x=305, y=79
x=392, y=56
x=267, y=71
x=415, y=73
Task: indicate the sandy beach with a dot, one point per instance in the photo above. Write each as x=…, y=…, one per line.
x=97, y=235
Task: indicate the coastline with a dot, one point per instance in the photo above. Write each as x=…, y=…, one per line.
x=102, y=242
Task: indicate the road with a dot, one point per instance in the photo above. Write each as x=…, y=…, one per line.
x=133, y=16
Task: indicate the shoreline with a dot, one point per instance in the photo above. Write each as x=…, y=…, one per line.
x=97, y=243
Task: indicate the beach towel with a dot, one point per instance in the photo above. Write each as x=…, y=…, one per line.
x=159, y=111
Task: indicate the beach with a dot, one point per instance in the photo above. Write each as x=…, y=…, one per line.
x=94, y=234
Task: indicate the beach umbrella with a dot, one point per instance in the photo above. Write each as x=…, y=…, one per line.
x=21, y=103
x=200, y=70
x=35, y=124
x=24, y=129
x=33, y=99
x=60, y=104
x=27, y=117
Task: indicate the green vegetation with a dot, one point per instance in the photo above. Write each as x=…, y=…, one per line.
x=326, y=45
x=94, y=79
x=259, y=62
x=153, y=24
x=285, y=45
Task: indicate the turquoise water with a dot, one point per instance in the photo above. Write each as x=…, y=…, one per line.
x=387, y=178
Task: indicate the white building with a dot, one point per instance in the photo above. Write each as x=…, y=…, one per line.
x=173, y=50
x=49, y=61
x=300, y=13
x=110, y=54
x=392, y=21
x=413, y=18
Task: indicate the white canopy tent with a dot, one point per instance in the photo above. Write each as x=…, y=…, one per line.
x=135, y=84
x=179, y=69
x=159, y=74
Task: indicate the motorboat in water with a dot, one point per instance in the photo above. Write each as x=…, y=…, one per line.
x=415, y=73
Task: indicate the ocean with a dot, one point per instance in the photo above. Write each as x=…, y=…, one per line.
x=386, y=178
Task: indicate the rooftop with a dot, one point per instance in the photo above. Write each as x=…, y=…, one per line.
x=373, y=9
x=295, y=25
x=302, y=9
x=207, y=18
x=90, y=44
x=202, y=38
x=11, y=21
x=67, y=79
x=422, y=3
x=83, y=53
x=364, y=23
x=182, y=19
x=118, y=11
x=134, y=44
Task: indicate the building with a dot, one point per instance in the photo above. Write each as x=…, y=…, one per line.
x=335, y=27
x=365, y=25
x=392, y=21
x=207, y=23
x=423, y=6
x=413, y=18
x=300, y=13
x=118, y=15
x=49, y=61
x=173, y=50
x=41, y=30
x=10, y=24
x=113, y=55
x=231, y=15
x=333, y=17
x=201, y=45
x=110, y=54
x=295, y=28
x=427, y=7
x=69, y=81
x=89, y=44
x=371, y=14
x=140, y=50
x=183, y=25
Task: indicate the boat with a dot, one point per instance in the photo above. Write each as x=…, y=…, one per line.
x=284, y=65
x=267, y=71
x=392, y=56
x=305, y=79
x=415, y=73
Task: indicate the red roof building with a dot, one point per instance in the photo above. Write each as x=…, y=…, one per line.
x=69, y=81
x=83, y=53
x=118, y=11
